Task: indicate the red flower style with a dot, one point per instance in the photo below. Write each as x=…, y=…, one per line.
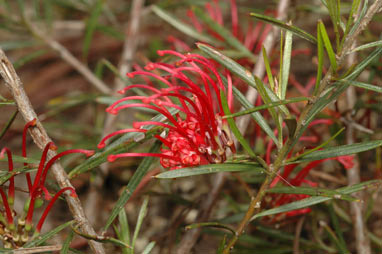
x=36, y=190
x=197, y=134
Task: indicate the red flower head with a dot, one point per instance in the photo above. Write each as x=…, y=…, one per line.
x=196, y=134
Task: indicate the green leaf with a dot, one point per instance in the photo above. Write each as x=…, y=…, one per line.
x=320, y=54
x=224, y=33
x=307, y=202
x=233, y=127
x=299, y=32
x=341, y=150
x=68, y=240
x=42, y=238
x=17, y=158
x=366, y=86
x=210, y=169
x=367, y=46
x=365, y=62
x=91, y=26
x=6, y=175
x=268, y=69
x=265, y=106
x=354, y=8
x=124, y=230
x=148, y=248
x=328, y=46
x=141, y=171
x=321, y=192
x=286, y=64
x=181, y=26
x=141, y=216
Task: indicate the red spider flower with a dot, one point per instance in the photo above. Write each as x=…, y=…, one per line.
x=36, y=190
x=196, y=134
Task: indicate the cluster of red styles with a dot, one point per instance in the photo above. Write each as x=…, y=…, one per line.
x=16, y=229
x=194, y=131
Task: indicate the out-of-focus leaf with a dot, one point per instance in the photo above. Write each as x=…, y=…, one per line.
x=224, y=33
x=8, y=124
x=181, y=26
x=210, y=224
x=148, y=248
x=210, y=169
x=91, y=26
x=5, y=175
x=29, y=57
x=299, y=32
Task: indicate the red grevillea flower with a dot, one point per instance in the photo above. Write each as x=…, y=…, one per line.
x=196, y=134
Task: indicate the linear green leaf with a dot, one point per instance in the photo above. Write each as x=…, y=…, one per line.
x=181, y=26
x=223, y=32
x=367, y=45
x=341, y=150
x=320, y=53
x=236, y=132
x=370, y=87
x=328, y=46
x=268, y=69
x=312, y=192
x=141, y=171
x=298, y=31
x=210, y=169
x=307, y=202
x=286, y=64
x=148, y=248
x=42, y=238
x=141, y=216
x=68, y=240
x=5, y=175
x=210, y=224
x=265, y=106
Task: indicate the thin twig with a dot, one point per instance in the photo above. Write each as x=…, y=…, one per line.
x=41, y=138
x=67, y=57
